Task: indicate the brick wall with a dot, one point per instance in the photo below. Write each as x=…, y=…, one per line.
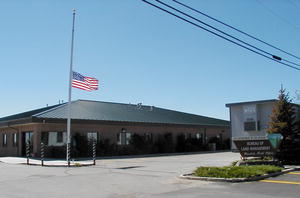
x=106, y=131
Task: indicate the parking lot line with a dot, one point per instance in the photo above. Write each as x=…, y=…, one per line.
x=293, y=173
x=280, y=182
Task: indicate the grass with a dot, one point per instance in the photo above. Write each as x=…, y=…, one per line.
x=236, y=171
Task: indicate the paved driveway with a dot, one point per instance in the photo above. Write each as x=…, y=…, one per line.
x=135, y=177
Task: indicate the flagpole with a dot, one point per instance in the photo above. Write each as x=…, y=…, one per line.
x=68, y=154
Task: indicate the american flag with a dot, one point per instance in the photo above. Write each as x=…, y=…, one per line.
x=84, y=82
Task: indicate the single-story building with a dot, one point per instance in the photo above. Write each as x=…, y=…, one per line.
x=97, y=120
x=251, y=118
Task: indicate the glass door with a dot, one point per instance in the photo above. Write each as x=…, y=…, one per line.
x=27, y=138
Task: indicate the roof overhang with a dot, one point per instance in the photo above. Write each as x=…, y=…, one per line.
x=16, y=122
x=251, y=102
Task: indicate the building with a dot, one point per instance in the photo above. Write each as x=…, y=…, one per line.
x=115, y=122
x=252, y=118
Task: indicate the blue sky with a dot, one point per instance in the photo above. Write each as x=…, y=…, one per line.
x=141, y=54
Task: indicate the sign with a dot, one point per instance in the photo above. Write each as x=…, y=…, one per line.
x=254, y=146
x=275, y=139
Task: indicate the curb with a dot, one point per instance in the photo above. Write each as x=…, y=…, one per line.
x=45, y=165
x=235, y=180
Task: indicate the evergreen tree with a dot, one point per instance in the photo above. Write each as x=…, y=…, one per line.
x=283, y=122
x=283, y=116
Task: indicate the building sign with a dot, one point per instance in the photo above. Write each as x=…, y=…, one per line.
x=254, y=146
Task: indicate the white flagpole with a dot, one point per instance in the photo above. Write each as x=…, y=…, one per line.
x=70, y=94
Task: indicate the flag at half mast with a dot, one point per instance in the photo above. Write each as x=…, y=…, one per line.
x=84, y=82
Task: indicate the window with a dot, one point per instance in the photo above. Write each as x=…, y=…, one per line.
x=249, y=126
x=15, y=139
x=92, y=136
x=45, y=138
x=128, y=137
x=148, y=137
x=124, y=137
x=28, y=137
x=4, y=139
x=59, y=137
x=55, y=138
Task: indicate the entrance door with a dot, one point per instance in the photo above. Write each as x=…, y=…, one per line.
x=27, y=137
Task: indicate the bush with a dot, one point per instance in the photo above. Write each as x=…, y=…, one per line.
x=188, y=144
x=55, y=151
x=141, y=144
x=105, y=148
x=81, y=149
x=164, y=144
x=236, y=171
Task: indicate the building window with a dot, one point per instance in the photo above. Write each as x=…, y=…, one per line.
x=148, y=137
x=124, y=137
x=55, y=138
x=15, y=139
x=59, y=137
x=92, y=136
x=45, y=138
x=250, y=126
x=28, y=137
x=4, y=140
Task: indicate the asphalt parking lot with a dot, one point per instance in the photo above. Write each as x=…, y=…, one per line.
x=289, y=178
x=138, y=177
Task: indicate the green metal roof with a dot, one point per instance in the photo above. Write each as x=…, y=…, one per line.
x=117, y=112
x=26, y=114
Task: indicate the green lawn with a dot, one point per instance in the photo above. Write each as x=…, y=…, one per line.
x=236, y=171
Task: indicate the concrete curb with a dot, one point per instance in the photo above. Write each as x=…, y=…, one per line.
x=159, y=154
x=235, y=180
x=62, y=165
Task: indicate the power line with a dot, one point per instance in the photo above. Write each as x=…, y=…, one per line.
x=278, y=16
x=216, y=29
x=293, y=4
x=216, y=34
x=236, y=29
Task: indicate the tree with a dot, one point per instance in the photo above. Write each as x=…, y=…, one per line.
x=283, y=122
x=283, y=116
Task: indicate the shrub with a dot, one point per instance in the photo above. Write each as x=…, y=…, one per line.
x=188, y=144
x=236, y=171
x=140, y=144
x=55, y=151
x=105, y=148
x=81, y=149
x=164, y=143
